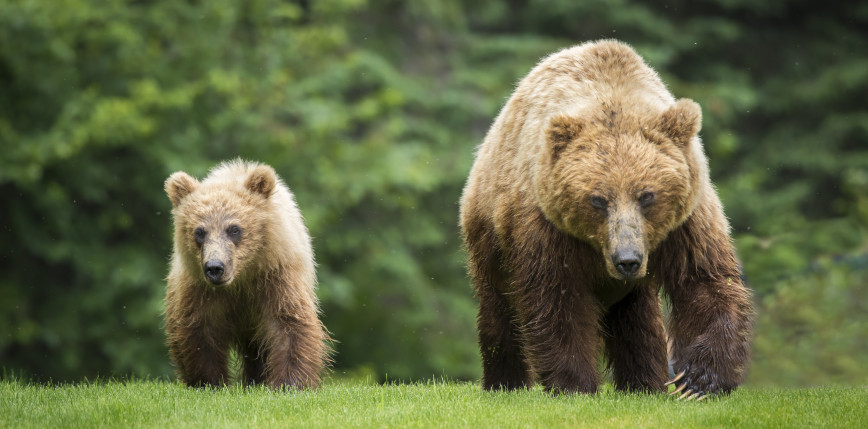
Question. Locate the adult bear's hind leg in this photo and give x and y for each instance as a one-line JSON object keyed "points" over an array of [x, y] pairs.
{"points": [[504, 365]]}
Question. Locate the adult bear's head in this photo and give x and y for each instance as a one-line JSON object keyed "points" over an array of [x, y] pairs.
{"points": [[620, 181]]}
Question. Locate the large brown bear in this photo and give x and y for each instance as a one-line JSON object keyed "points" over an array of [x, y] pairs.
{"points": [[589, 193], [242, 277]]}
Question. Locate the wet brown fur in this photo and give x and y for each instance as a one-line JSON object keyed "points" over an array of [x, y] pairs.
{"points": [[267, 310], [595, 121]]}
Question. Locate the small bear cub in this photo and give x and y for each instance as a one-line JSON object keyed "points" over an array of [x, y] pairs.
{"points": [[242, 278]]}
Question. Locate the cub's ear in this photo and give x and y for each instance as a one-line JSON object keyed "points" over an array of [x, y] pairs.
{"points": [[562, 130], [262, 180], [178, 186], [681, 121]]}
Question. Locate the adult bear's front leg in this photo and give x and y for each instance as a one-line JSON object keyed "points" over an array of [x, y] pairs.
{"points": [[711, 340], [558, 312], [636, 341], [711, 320]]}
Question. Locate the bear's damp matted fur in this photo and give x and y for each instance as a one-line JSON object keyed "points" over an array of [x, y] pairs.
{"points": [[242, 277], [589, 193]]}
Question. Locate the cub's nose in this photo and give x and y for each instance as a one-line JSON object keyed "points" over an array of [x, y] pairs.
{"points": [[627, 263], [214, 271]]}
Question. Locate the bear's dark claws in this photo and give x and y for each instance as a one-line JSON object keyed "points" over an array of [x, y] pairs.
{"points": [[678, 390]]}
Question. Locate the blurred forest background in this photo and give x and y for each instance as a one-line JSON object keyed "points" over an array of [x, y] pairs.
{"points": [[370, 111]]}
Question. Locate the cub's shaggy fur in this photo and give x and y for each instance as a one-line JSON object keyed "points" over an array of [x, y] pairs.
{"points": [[590, 193], [242, 276]]}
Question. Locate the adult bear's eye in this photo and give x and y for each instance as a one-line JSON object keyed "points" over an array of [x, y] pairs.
{"points": [[599, 202], [199, 234], [646, 198]]}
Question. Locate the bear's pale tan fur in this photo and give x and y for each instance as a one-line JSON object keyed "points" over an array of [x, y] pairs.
{"points": [[242, 277], [589, 193]]}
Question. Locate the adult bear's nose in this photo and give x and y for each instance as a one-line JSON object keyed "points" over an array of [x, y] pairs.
{"points": [[214, 271], [627, 262]]}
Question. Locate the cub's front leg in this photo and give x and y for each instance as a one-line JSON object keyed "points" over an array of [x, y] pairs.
{"points": [[295, 346], [199, 349]]}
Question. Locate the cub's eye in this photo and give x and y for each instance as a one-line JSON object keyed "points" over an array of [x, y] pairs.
{"points": [[234, 233], [599, 202], [646, 198], [199, 234]]}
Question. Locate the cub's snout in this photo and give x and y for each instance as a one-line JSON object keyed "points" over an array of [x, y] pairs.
{"points": [[214, 270]]}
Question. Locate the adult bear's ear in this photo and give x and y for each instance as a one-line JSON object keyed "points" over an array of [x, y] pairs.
{"points": [[178, 186], [562, 130], [682, 121], [262, 180]]}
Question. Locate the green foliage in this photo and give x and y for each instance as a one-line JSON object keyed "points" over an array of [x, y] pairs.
{"points": [[434, 403], [813, 328], [153, 88], [370, 111]]}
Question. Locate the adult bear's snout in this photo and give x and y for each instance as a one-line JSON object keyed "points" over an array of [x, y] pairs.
{"points": [[627, 262]]}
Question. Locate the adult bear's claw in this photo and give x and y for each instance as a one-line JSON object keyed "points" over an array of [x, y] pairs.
{"points": [[676, 378]]}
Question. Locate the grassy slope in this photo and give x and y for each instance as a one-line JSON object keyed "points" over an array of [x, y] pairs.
{"points": [[432, 404]]}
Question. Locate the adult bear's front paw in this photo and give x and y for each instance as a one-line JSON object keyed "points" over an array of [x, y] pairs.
{"points": [[696, 382]]}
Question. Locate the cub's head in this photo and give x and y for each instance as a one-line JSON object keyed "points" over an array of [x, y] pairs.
{"points": [[220, 223], [621, 183]]}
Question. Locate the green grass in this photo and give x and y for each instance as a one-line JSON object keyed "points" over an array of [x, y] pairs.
{"points": [[432, 404]]}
